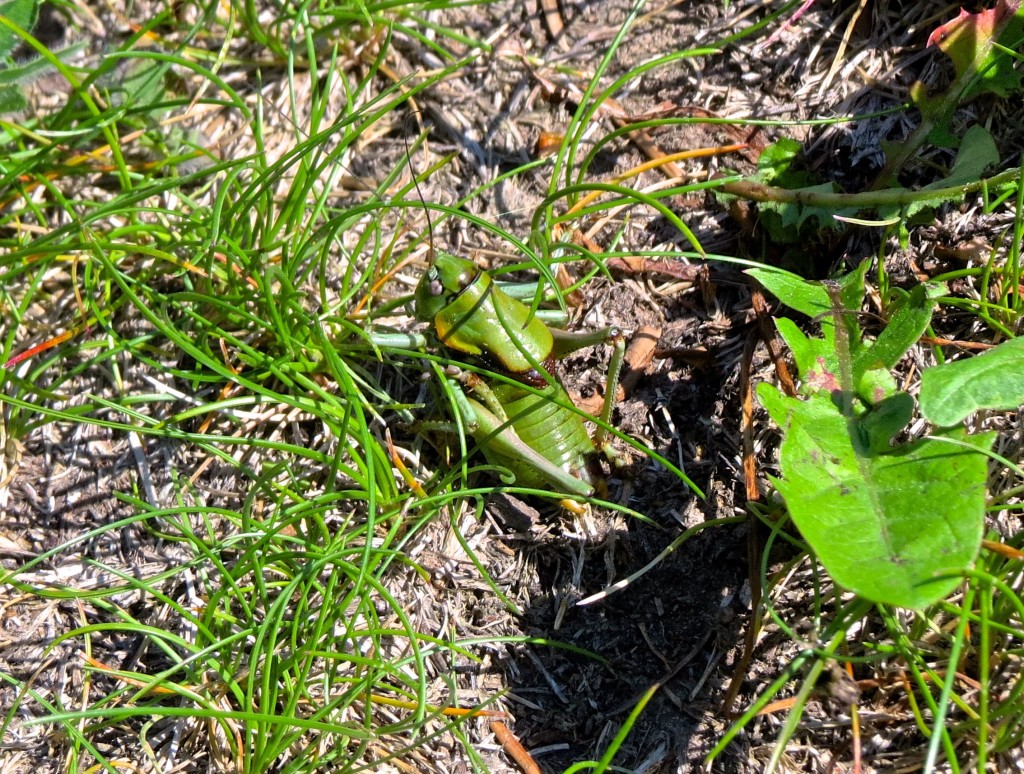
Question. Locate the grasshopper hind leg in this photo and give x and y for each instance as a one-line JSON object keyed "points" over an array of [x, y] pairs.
{"points": [[602, 442], [565, 343]]}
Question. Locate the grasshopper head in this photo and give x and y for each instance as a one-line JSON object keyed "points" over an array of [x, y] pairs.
{"points": [[446, 278]]}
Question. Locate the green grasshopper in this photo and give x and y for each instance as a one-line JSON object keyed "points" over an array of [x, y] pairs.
{"points": [[525, 425]]}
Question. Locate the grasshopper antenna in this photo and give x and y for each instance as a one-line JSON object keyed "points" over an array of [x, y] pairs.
{"points": [[419, 193], [386, 277], [353, 181]]}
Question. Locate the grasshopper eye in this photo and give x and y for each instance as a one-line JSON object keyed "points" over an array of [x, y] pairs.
{"points": [[434, 283]]}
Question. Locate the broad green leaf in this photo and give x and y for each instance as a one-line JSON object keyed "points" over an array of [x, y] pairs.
{"points": [[794, 291], [818, 365], [776, 160], [850, 300], [31, 69], [23, 14], [977, 153], [909, 317], [11, 100], [816, 358], [811, 298], [880, 424], [806, 351], [876, 385], [785, 222], [896, 526], [142, 79], [993, 380], [788, 222], [23, 73]]}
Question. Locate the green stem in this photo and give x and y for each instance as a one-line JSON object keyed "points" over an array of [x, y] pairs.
{"points": [[898, 197]]}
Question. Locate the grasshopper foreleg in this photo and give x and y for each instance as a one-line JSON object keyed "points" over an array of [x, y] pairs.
{"points": [[567, 342]]}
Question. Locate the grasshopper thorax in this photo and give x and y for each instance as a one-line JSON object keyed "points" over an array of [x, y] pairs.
{"points": [[471, 314]]}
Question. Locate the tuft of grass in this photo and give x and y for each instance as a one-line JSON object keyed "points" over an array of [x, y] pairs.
{"points": [[195, 300]]}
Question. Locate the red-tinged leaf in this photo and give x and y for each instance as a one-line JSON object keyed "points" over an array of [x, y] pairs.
{"points": [[48, 344], [944, 31], [968, 27], [969, 41]]}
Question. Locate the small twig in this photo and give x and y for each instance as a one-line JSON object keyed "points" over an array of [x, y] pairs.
{"points": [[938, 342], [552, 19], [767, 331], [754, 546], [639, 264], [514, 748]]}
